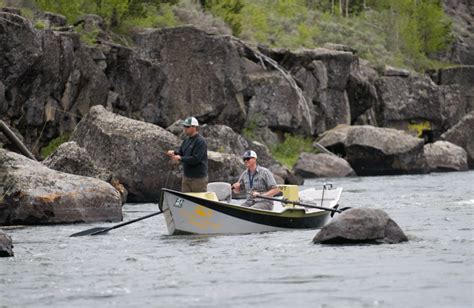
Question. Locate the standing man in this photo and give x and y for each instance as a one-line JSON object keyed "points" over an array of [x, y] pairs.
{"points": [[193, 155], [256, 180]]}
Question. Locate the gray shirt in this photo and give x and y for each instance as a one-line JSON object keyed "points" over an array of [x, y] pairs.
{"points": [[261, 181]]}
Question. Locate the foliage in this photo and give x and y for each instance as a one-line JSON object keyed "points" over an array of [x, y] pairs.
{"points": [[54, 144], [402, 33], [287, 152], [229, 10], [40, 25]]}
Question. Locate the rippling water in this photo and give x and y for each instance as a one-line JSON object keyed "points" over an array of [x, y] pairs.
{"points": [[139, 265]]}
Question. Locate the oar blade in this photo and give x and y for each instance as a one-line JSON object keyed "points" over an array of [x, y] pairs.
{"points": [[92, 231]]}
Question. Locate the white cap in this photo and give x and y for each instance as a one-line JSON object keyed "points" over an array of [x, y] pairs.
{"points": [[191, 121], [249, 154]]}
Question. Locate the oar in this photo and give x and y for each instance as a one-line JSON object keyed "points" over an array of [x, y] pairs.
{"points": [[101, 230], [333, 210]]}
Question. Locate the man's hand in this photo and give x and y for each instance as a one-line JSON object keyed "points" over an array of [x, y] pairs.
{"points": [[176, 157], [236, 187], [254, 194], [170, 153]]}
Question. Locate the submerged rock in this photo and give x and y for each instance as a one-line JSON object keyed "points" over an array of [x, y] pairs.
{"points": [[361, 225], [6, 246], [35, 194]]}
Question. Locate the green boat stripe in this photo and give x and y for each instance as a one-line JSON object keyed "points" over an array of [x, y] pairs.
{"points": [[278, 220]]}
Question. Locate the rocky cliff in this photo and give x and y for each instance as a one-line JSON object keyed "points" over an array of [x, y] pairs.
{"points": [[49, 80]]}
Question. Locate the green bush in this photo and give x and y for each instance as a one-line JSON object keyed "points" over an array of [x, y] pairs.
{"points": [[54, 144], [288, 152]]}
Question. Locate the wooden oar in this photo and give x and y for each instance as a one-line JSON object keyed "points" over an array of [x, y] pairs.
{"points": [[101, 230], [333, 210]]}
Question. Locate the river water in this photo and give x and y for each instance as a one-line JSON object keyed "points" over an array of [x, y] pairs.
{"points": [[139, 265]]}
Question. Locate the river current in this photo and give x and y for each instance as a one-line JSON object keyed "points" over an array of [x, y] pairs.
{"points": [[139, 265]]}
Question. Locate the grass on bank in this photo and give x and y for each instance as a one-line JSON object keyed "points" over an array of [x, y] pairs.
{"points": [[288, 152], [54, 144]]}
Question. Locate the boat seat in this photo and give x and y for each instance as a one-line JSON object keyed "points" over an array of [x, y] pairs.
{"points": [[223, 190], [209, 195]]}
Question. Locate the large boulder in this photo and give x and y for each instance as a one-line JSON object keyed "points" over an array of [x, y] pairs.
{"points": [[35, 194], [461, 135], [6, 245], [384, 151], [311, 165], [361, 225], [133, 151], [445, 156]]}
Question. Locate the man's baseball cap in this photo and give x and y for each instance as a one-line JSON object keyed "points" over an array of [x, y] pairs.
{"points": [[249, 154], [191, 121]]}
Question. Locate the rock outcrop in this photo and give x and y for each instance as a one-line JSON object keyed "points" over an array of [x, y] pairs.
{"points": [[445, 156], [6, 245], [361, 225], [35, 194]]}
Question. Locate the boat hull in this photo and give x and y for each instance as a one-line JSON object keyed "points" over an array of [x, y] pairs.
{"points": [[186, 214]]}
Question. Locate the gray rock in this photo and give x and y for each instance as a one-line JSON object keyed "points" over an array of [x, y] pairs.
{"points": [[461, 13], [223, 139], [407, 100], [361, 90], [322, 165], [283, 175], [70, 158], [208, 86], [462, 76], [384, 151], [133, 151], [35, 194], [395, 72], [274, 103], [461, 135], [52, 19], [361, 225], [323, 75], [224, 167], [6, 245], [335, 139], [445, 156]]}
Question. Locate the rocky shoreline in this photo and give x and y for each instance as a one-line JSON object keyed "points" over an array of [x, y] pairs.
{"points": [[123, 106]]}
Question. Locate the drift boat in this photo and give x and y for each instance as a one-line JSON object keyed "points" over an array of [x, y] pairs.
{"points": [[213, 212]]}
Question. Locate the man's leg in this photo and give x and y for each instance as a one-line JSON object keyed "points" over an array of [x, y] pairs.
{"points": [[199, 185], [186, 184]]}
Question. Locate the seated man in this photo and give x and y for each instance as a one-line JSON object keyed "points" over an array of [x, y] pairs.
{"points": [[256, 180]]}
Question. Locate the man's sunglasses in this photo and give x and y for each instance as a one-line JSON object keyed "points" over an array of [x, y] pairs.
{"points": [[247, 158]]}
